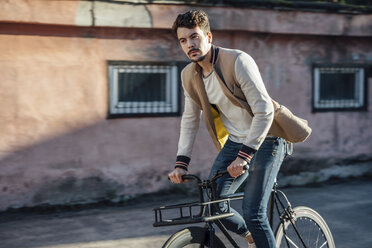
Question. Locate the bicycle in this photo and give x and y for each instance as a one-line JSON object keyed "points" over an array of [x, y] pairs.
{"points": [[298, 227]]}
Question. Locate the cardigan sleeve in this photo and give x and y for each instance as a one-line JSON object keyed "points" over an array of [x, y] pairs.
{"points": [[249, 78], [190, 123]]}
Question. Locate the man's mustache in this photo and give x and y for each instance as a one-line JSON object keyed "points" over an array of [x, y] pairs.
{"points": [[192, 50]]}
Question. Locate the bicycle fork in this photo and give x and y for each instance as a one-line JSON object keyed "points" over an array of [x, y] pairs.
{"points": [[286, 215], [227, 235], [212, 233], [218, 222]]}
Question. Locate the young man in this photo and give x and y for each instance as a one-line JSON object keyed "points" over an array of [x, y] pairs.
{"points": [[227, 87]]}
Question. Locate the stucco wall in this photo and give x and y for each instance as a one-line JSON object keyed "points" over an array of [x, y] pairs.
{"points": [[57, 145], [54, 95]]}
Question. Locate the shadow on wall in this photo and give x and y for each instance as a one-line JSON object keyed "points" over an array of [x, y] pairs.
{"points": [[110, 160]]}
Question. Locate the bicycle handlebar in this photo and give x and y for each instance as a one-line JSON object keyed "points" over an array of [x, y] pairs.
{"points": [[216, 176], [206, 183]]}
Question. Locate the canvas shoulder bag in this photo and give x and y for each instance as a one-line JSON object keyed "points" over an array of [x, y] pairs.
{"points": [[289, 126], [285, 124]]}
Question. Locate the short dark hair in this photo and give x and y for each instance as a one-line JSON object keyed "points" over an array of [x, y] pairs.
{"points": [[192, 19]]}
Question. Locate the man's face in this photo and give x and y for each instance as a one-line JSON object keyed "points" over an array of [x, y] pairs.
{"points": [[194, 43]]}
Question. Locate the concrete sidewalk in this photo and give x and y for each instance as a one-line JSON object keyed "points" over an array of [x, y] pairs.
{"points": [[345, 205]]}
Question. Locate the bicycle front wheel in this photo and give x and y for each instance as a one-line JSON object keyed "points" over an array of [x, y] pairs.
{"points": [[307, 229], [192, 237]]}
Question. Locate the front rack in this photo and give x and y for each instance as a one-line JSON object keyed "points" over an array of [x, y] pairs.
{"points": [[185, 213]]}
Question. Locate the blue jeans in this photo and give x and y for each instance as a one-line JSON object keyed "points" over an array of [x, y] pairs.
{"points": [[262, 172]]}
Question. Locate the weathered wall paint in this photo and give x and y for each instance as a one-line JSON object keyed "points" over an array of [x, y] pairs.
{"points": [[53, 119], [122, 14], [58, 147], [94, 13]]}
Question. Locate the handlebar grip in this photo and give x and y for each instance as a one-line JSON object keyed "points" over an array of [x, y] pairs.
{"points": [[245, 167], [224, 172], [191, 177]]}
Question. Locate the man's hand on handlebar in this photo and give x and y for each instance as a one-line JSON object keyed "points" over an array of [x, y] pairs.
{"points": [[237, 167], [176, 175]]}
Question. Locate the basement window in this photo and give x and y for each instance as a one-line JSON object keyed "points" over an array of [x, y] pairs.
{"points": [[143, 89], [339, 88]]}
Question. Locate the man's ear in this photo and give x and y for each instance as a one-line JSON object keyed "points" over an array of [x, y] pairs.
{"points": [[210, 37]]}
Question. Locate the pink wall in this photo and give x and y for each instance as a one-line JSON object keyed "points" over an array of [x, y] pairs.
{"points": [[57, 145], [285, 63]]}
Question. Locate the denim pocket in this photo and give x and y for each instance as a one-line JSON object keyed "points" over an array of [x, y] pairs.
{"points": [[271, 145]]}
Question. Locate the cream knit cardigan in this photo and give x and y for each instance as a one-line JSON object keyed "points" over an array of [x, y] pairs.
{"points": [[237, 74]]}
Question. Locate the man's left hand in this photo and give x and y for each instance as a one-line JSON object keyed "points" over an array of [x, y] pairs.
{"points": [[236, 168]]}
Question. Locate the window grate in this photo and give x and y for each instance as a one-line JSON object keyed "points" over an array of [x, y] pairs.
{"points": [[143, 89], [338, 88]]}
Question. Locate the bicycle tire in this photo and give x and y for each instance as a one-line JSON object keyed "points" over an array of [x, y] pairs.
{"points": [[310, 225], [192, 237]]}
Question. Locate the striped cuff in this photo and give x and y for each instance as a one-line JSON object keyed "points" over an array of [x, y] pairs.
{"points": [[182, 162], [246, 153]]}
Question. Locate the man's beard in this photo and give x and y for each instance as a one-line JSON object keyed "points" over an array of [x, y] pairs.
{"points": [[198, 59], [201, 58]]}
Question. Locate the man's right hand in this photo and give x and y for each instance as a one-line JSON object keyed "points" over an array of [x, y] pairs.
{"points": [[176, 175]]}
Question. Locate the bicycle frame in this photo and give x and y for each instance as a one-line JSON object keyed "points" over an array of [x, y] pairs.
{"points": [[208, 188]]}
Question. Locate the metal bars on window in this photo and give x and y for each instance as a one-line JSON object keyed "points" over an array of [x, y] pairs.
{"points": [[143, 89], [338, 88]]}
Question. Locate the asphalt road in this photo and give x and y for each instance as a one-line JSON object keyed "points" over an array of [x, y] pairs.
{"points": [[345, 205]]}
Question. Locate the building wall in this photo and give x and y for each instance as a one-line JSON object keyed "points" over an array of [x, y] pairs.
{"points": [[57, 145]]}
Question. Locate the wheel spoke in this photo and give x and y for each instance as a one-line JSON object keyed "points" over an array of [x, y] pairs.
{"points": [[290, 241], [325, 243]]}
